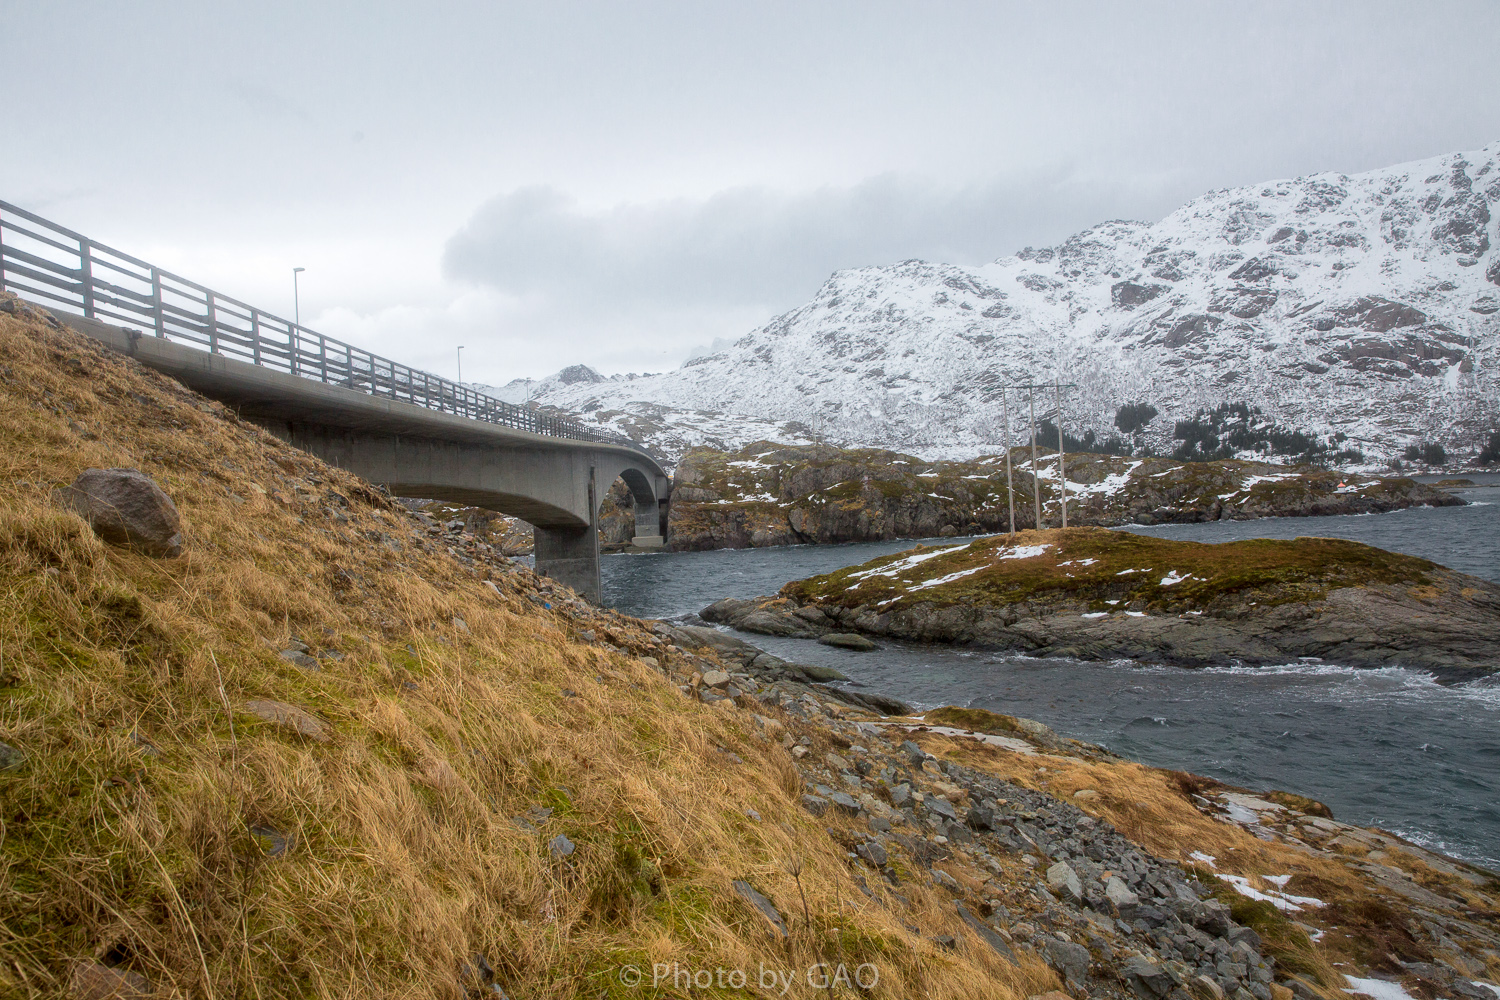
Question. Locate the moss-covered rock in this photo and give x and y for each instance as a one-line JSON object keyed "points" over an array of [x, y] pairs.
{"points": [[1097, 594]]}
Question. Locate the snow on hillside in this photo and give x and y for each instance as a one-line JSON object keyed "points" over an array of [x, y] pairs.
{"points": [[1365, 305]]}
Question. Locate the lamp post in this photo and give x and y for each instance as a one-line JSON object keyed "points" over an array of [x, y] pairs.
{"points": [[294, 339], [297, 297], [460, 364]]}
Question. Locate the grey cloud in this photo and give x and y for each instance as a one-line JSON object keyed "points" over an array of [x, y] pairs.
{"points": [[757, 246]]}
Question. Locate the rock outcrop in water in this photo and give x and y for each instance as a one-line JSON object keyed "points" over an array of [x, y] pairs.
{"points": [[769, 494], [1096, 594]]}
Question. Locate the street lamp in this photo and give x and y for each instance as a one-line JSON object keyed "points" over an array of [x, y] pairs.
{"points": [[296, 297], [293, 337], [460, 364]]}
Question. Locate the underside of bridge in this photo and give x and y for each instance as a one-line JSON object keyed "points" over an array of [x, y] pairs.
{"points": [[555, 484]]}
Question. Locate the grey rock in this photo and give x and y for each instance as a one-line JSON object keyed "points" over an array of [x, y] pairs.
{"points": [[716, 679], [125, 507], [981, 817], [877, 703], [11, 759], [847, 803], [986, 933], [561, 846], [1061, 878], [298, 659], [1237, 934], [958, 834], [848, 640], [1120, 895], [271, 840], [901, 795], [815, 804], [942, 807], [1147, 979], [762, 905], [1211, 917], [873, 852], [1072, 960], [290, 717]]}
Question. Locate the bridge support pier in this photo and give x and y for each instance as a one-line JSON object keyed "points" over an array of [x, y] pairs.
{"points": [[571, 557], [647, 525]]}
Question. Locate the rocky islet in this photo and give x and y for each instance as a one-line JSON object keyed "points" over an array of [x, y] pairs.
{"points": [[1097, 594]]}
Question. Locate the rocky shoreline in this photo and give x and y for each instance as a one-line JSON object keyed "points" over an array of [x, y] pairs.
{"points": [[1093, 594], [1016, 826], [771, 494]]}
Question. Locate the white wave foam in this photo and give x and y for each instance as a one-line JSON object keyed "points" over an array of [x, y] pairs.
{"points": [[1358, 683]]}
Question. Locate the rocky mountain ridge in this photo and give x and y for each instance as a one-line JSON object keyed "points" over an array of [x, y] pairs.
{"points": [[1361, 309]]}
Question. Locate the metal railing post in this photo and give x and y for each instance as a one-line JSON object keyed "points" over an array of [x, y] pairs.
{"points": [[323, 356], [213, 324], [86, 277], [156, 307], [255, 335]]}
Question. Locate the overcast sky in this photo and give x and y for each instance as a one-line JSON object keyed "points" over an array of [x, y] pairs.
{"points": [[616, 183]]}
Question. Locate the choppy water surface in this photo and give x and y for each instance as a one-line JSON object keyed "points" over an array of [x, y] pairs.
{"points": [[1390, 747]]}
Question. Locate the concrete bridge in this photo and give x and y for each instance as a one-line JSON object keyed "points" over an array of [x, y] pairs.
{"points": [[556, 484]]}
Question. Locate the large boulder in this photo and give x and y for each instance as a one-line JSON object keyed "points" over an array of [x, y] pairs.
{"points": [[125, 507]]}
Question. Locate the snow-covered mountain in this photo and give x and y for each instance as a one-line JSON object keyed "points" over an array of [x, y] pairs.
{"points": [[1363, 308]]}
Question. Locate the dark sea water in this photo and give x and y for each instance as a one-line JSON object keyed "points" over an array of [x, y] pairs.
{"points": [[1389, 748]]}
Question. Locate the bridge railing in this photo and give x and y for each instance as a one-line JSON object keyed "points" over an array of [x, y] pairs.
{"points": [[57, 267]]}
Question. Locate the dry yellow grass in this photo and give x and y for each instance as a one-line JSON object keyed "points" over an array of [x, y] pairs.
{"points": [[126, 836]]}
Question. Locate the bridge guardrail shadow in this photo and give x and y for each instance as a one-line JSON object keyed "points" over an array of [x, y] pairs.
{"points": [[57, 267]]}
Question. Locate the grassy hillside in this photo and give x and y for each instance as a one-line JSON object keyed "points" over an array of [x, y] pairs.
{"points": [[461, 716]]}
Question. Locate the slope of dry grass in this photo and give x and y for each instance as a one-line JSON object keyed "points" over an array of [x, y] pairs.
{"points": [[140, 830]]}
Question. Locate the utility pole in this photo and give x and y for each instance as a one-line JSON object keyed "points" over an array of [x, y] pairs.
{"points": [[1036, 480], [1062, 476], [1010, 487], [1036, 483]]}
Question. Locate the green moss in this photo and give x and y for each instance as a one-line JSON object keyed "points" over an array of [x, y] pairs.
{"points": [[974, 719]]}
